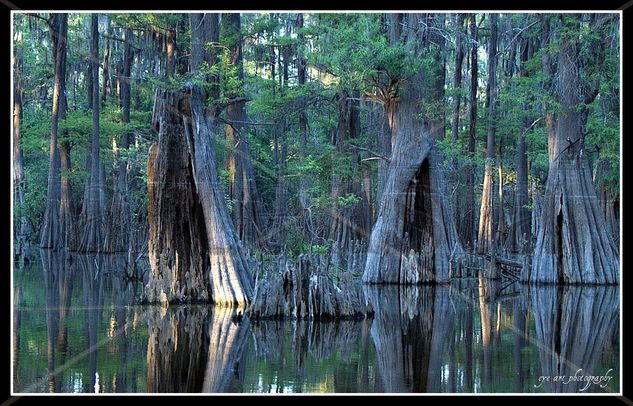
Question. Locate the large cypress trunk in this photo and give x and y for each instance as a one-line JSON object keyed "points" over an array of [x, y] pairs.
{"points": [[414, 222], [572, 245], [93, 217], [608, 199], [177, 239], [192, 240], [50, 232], [231, 283]]}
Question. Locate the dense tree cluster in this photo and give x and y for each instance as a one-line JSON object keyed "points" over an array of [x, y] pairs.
{"points": [[201, 138]]}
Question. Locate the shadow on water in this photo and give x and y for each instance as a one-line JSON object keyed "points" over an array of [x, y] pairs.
{"points": [[77, 329]]}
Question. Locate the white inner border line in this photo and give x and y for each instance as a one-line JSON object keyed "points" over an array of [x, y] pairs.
{"points": [[21, 11]]}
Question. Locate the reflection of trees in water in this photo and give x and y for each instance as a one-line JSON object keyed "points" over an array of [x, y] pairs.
{"points": [[519, 320], [91, 268], [122, 322], [488, 291], [411, 326], [573, 325], [62, 271], [58, 290], [424, 335], [176, 348], [193, 348], [226, 346], [18, 275], [318, 339], [287, 347], [426, 338]]}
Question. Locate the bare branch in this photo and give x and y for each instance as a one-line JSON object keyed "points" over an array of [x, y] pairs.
{"points": [[112, 37], [35, 15], [376, 155]]}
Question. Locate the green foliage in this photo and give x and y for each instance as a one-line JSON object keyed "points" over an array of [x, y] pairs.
{"points": [[352, 48], [349, 51], [349, 199]]}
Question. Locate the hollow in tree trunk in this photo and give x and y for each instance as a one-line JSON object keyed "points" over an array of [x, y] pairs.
{"points": [[177, 239], [414, 237], [573, 245]]}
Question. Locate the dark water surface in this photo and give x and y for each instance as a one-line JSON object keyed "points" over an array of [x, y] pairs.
{"points": [[76, 329]]}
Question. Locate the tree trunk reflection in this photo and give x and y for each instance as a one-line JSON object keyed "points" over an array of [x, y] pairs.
{"points": [[410, 329], [573, 325]]}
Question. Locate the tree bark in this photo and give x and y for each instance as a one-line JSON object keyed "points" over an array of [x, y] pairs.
{"points": [[457, 77], [93, 218], [384, 147], [67, 209], [486, 238], [170, 63], [177, 241], [609, 200], [453, 175], [50, 232], [415, 219], [572, 245], [231, 283]]}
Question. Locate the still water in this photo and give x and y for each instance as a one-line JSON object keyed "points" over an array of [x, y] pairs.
{"points": [[76, 329]]}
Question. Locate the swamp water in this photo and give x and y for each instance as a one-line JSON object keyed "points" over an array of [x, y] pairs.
{"points": [[76, 328]]}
